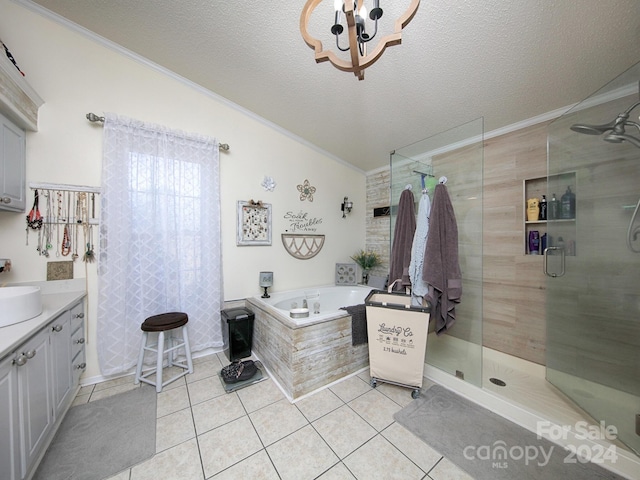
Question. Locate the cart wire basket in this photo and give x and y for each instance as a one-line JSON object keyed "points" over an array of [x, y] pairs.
{"points": [[397, 333]]}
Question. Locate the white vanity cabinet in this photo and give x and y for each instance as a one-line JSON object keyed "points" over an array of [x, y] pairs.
{"points": [[60, 336], [38, 381], [9, 421], [34, 390]]}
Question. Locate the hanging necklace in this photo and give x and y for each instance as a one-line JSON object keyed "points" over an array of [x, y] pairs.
{"points": [[66, 236]]}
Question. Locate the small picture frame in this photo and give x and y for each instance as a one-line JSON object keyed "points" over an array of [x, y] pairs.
{"points": [[254, 223], [346, 274]]}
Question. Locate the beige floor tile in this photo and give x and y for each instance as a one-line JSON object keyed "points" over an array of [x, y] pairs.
{"points": [[344, 431], [227, 445], [286, 455], [115, 382], [256, 467], [109, 392], [124, 475], [222, 358], [378, 459], [260, 395], [350, 388], [205, 389], [419, 452], [167, 374], [319, 404], [174, 429], [376, 409], [445, 470], [400, 395], [80, 399], [276, 421], [181, 462], [217, 411], [337, 472], [210, 357], [204, 369], [365, 375], [171, 400], [86, 390]]}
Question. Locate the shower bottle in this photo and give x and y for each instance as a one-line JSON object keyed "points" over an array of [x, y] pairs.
{"points": [[553, 212], [568, 204], [543, 208], [534, 242]]}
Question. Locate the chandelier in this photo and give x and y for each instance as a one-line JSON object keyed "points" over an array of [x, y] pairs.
{"points": [[360, 30]]}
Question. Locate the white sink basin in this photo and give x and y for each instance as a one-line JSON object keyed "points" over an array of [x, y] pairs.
{"points": [[18, 304]]}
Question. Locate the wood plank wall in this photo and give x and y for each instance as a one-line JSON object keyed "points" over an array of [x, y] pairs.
{"points": [[513, 283]]}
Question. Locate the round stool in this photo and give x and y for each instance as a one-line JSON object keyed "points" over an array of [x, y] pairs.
{"points": [[165, 322]]}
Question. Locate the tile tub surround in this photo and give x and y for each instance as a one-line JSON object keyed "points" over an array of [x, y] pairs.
{"points": [[305, 358]]}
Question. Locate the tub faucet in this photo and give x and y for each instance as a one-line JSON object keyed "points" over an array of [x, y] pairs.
{"points": [[304, 303]]}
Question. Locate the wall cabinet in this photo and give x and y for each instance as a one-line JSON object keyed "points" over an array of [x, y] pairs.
{"points": [[37, 384], [561, 232], [12, 166]]}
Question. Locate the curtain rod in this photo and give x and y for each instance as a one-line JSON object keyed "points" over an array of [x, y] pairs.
{"points": [[92, 117]]}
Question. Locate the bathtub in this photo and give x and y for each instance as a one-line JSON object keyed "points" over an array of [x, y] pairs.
{"points": [[307, 354], [329, 298]]}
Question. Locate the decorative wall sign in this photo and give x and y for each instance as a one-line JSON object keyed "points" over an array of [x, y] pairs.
{"points": [[306, 191], [269, 184], [301, 222], [302, 247], [59, 270], [254, 223]]}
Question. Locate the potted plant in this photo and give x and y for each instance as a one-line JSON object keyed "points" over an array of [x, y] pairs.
{"points": [[366, 261]]}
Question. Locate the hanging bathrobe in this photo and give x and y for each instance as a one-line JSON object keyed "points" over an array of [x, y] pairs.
{"points": [[441, 269], [419, 287], [402, 240]]}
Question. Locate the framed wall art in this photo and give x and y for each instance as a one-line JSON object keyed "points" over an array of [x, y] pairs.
{"points": [[254, 223]]}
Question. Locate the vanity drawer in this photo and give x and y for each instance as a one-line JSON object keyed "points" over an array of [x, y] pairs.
{"points": [[77, 316], [77, 342], [78, 366]]}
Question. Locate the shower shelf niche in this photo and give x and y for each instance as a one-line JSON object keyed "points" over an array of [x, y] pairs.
{"points": [[562, 228]]}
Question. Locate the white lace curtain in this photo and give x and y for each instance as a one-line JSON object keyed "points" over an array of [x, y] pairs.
{"points": [[159, 237]]}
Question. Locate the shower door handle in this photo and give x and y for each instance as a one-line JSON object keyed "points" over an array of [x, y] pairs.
{"points": [[545, 266]]}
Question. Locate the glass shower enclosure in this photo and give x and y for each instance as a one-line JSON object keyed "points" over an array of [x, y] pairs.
{"points": [[456, 154], [593, 260]]}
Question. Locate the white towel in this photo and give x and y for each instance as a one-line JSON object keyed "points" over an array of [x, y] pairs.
{"points": [[418, 285]]}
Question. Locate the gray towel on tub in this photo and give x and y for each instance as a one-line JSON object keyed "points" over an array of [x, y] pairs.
{"points": [[358, 323]]}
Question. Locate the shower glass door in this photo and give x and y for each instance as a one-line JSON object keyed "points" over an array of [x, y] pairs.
{"points": [[593, 260], [458, 155]]}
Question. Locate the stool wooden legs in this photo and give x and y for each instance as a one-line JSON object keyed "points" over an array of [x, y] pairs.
{"points": [[164, 346]]}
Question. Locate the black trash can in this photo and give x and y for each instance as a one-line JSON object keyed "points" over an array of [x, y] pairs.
{"points": [[238, 334]]}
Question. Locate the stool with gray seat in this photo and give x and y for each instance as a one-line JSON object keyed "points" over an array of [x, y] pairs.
{"points": [[169, 344]]}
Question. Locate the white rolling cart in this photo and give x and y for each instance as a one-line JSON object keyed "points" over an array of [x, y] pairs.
{"points": [[397, 333]]}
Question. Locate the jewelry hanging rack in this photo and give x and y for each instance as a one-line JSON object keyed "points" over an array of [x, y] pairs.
{"points": [[65, 190], [68, 211]]}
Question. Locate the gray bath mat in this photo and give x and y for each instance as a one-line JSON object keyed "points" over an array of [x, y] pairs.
{"points": [[488, 446], [96, 440]]}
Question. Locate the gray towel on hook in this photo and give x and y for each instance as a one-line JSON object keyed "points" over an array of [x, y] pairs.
{"points": [[358, 323], [403, 240], [441, 269]]}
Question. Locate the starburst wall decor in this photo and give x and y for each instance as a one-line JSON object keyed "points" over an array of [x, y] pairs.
{"points": [[306, 191]]}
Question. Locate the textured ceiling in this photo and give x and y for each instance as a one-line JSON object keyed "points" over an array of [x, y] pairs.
{"points": [[506, 61]]}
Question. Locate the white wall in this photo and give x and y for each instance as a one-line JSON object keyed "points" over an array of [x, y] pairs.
{"points": [[75, 74]]}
